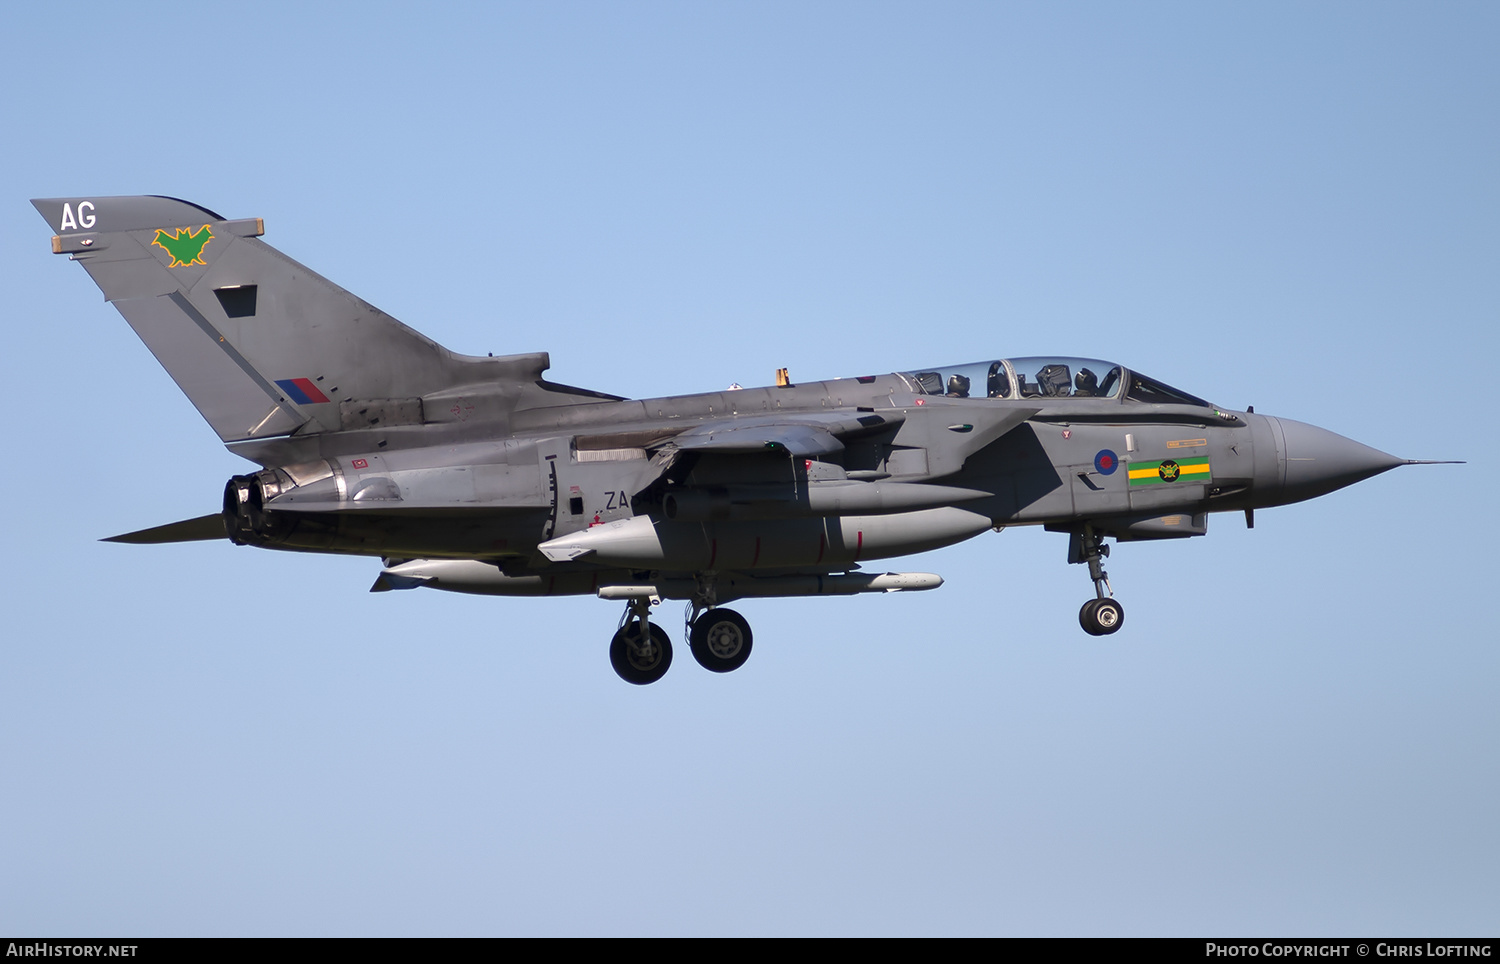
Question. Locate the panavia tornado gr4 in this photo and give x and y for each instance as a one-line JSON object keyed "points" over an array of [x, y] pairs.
{"points": [[479, 475]]}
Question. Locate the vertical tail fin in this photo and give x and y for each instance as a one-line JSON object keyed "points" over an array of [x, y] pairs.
{"points": [[261, 345]]}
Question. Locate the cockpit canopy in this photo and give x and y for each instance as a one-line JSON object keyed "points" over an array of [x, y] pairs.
{"points": [[1046, 378]]}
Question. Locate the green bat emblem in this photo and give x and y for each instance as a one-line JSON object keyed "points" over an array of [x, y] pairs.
{"points": [[185, 247]]}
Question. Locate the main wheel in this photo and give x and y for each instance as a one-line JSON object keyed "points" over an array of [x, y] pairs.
{"points": [[721, 640], [637, 660], [1100, 617]]}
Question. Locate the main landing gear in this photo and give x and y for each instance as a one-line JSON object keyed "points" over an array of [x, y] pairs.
{"points": [[721, 640], [641, 651], [1103, 614]]}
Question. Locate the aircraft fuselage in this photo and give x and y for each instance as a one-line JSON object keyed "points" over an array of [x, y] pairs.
{"points": [[1133, 470]]}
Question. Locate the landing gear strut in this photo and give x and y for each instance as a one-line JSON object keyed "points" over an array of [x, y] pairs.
{"points": [[1103, 614], [641, 652]]}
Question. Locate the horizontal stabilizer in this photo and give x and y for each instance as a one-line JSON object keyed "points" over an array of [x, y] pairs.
{"points": [[202, 529]]}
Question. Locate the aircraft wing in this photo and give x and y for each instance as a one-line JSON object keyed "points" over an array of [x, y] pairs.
{"points": [[951, 430], [808, 435]]}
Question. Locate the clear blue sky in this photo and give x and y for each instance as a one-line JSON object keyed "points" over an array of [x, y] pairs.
{"points": [[1288, 205]]}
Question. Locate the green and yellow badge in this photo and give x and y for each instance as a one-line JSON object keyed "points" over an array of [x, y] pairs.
{"points": [[1169, 470], [185, 247]]}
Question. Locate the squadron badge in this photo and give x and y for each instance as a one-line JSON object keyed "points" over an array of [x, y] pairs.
{"points": [[185, 247]]}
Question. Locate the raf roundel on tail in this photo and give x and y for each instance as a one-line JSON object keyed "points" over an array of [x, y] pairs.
{"points": [[478, 475]]}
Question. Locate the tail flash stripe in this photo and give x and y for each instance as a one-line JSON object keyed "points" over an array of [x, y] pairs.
{"points": [[301, 390]]}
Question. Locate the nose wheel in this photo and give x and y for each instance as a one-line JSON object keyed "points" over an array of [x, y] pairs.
{"points": [[1103, 614], [1100, 617]]}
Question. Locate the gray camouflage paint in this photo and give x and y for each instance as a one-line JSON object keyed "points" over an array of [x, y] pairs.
{"points": [[374, 440]]}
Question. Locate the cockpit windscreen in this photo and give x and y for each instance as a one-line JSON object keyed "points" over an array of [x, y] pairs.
{"points": [[1045, 378], [1143, 389], [1021, 378]]}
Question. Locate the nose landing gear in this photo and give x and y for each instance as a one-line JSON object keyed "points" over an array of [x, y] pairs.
{"points": [[1103, 614]]}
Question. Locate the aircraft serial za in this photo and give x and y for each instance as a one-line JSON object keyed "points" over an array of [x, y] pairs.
{"points": [[478, 475]]}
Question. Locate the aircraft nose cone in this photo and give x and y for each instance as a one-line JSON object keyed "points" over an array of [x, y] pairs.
{"points": [[1319, 461]]}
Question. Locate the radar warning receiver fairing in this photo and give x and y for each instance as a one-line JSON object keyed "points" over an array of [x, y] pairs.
{"points": [[479, 475]]}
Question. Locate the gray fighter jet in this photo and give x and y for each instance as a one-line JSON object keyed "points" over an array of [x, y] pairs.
{"points": [[479, 475]]}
